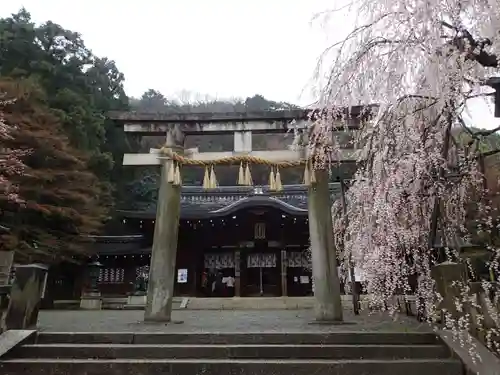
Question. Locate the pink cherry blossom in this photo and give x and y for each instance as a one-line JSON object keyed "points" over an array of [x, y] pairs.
{"points": [[420, 61]]}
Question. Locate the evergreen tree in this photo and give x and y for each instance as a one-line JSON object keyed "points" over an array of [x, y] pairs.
{"points": [[80, 88]]}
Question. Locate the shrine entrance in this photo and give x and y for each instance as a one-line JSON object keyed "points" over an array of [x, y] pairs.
{"points": [[246, 254], [261, 274]]}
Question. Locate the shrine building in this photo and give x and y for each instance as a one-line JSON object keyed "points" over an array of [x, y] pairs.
{"points": [[257, 236], [254, 237]]}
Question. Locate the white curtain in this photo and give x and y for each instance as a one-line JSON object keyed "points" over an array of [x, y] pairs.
{"points": [[297, 259], [219, 260], [265, 260]]}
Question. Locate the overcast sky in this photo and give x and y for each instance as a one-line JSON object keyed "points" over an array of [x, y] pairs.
{"points": [[223, 48]]}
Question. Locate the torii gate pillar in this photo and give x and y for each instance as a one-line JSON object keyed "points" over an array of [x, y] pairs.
{"points": [[328, 304], [164, 251]]}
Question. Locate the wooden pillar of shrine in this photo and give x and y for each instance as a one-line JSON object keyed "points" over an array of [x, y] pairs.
{"points": [[237, 274], [164, 251], [284, 281], [328, 303]]}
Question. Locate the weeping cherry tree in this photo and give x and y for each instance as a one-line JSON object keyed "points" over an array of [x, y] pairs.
{"points": [[421, 62]]}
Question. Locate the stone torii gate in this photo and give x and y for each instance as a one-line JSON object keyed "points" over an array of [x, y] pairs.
{"points": [[176, 127]]}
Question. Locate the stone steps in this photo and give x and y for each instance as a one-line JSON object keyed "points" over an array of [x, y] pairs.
{"points": [[270, 338], [347, 353], [126, 351], [228, 366]]}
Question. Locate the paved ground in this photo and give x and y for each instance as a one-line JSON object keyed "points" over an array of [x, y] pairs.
{"points": [[216, 321]]}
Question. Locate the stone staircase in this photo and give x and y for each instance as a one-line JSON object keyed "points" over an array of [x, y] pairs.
{"points": [[346, 353]]}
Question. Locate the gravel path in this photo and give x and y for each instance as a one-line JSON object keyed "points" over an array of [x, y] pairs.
{"points": [[217, 321]]}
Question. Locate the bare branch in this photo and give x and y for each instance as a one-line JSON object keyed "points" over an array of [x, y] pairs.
{"points": [[475, 49]]}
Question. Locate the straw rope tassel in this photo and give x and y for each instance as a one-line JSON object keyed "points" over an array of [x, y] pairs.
{"points": [[307, 175], [206, 179], [213, 178], [241, 175], [248, 176], [272, 181], [177, 175], [277, 184], [171, 172]]}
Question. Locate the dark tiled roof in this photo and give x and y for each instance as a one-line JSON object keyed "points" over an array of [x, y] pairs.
{"points": [[121, 245], [199, 203], [127, 244], [121, 248]]}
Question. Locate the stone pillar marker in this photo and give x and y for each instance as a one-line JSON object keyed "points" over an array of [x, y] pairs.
{"points": [[328, 303], [162, 269], [25, 297]]}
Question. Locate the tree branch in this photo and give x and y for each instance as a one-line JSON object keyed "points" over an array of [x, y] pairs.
{"points": [[475, 49], [485, 133], [489, 153]]}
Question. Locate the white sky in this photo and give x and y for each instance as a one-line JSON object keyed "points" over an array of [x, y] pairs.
{"points": [[223, 48]]}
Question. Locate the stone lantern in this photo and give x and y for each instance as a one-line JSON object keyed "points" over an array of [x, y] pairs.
{"points": [[91, 298], [94, 270]]}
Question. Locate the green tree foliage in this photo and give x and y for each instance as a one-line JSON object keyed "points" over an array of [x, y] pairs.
{"points": [[80, 88], [62, 197]]}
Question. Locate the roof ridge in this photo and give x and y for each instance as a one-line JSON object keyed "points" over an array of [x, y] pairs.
{"points": [[238, 188]]}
